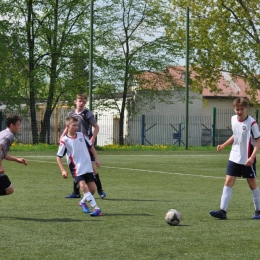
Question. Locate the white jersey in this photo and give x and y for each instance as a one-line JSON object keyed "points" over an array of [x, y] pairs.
{"points": [[77, 153], [245, 132]]}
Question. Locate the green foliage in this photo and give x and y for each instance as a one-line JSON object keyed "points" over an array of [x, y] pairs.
{"points": [[224, 36]]}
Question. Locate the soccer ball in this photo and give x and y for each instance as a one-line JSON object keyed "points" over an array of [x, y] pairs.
{"points": [[173, 217]]}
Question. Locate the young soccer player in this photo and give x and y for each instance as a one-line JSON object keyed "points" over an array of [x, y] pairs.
{"points": [[86, 121], [76, 146], [6, 140], [242, 160]]}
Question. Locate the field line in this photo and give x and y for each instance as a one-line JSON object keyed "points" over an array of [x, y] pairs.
{"points": [[146, 170]]}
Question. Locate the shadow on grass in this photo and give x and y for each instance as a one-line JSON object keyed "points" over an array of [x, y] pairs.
{"points": [[138, 200], [65, 220], [124, 214]]}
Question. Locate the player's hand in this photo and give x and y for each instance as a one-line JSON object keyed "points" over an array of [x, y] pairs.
{"points": [[219, 148], [21, 160], [64, 174], [249, 161], [2, 169], [97, 163]]}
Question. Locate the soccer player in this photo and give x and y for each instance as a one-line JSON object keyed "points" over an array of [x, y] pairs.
{"points": [[86, 121], [76, 146], [6, 139], [242, 160]]}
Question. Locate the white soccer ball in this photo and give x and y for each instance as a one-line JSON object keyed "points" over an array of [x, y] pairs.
{"points": [[173, 217]]}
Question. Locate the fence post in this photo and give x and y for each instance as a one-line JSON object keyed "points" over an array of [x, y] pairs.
{"points": [[95, 142], [213, 125], [1, 121], [143, 130]]}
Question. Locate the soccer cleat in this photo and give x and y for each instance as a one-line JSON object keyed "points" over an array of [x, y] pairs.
{"points": [[221, 214], [84, 207], [96, 213], [102, 194], [257, 214], [73, 196]]}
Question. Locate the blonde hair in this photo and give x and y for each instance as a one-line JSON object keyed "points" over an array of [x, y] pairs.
{"points": [[70, 120], [241, 102], [82, 96]]}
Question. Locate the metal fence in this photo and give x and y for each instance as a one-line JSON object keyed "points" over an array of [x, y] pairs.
{"points": [[143, 129]]}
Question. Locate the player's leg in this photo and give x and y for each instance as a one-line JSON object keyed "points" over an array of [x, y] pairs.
{"points": [[250, 175], [76, 192], [87, 186], [6, 187], [84, 188], [231, 175], [100, 190]]}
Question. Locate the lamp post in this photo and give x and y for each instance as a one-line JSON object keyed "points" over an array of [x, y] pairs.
{"points": [[187, 82], [91, 54]]}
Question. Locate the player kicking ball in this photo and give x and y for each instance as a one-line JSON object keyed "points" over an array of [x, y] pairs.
{"points": [[76, 146], [242, 159]]}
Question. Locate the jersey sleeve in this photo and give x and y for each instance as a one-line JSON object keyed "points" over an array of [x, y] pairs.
{"points": [[255, 130], [62, 149], [91, 118]]}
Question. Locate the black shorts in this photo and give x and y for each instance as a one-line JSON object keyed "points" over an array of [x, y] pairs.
{"points": [[87, 177], [5, 183], [240, 170]]}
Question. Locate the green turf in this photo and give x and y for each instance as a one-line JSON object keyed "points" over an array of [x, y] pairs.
{"points": [[37, 222]]}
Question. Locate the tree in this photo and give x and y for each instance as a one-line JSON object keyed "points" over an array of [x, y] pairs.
{"points": [[224, 36], [47, 35], [132, 40]]}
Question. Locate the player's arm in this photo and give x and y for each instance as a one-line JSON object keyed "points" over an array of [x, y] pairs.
{"points": [[14, 159], [228, 142], [64, 132], [251, 159], [63, 171], [95, 133], [94, 152]]}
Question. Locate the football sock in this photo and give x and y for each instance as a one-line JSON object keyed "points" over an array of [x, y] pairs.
{"points": [[225, 198], [256, 198], [75, 188], [2, 192], [98, 183], [89, 198]]}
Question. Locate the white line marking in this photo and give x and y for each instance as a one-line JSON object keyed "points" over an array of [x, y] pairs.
{"points": [[141, 170]]}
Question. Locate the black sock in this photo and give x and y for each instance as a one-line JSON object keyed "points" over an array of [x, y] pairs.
{"points": [[98, 183], [75, 188]]}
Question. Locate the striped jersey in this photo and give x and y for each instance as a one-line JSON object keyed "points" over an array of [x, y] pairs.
{"points": [[77, 153], [245, 132]]}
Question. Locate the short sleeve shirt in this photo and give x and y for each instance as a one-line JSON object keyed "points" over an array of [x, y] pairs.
{"points": [[86, 119], [77, 153], [245, 134], [6, 140]]}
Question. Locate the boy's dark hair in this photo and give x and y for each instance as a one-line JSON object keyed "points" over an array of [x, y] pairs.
{"points": [[241, 102], [12, 120]]}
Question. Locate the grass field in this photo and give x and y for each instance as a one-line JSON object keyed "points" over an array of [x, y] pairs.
{"points": [[37, 222]]}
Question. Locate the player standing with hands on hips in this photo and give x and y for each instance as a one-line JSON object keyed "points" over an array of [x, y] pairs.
{"points": [[86, 121], [242, 160], [6, 139]]}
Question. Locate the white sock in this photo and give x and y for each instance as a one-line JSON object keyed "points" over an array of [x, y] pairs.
{"points": [[225, 198], [89, 198], [256, 198]]}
